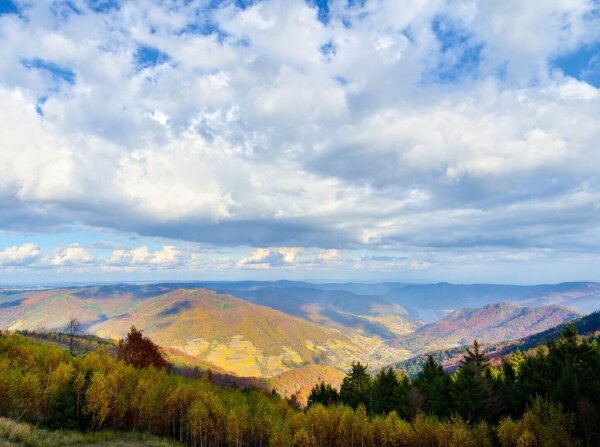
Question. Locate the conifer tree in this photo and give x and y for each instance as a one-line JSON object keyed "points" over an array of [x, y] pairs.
{"points": [[434, 384], [472, 392], [389, 392], [356, 386], [323, 394]]}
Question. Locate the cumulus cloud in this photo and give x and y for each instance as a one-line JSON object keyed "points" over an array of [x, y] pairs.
{"points": [[72, 256], [142, 256], [21, 255], [266, 258], [331, 256], [431, 125]]}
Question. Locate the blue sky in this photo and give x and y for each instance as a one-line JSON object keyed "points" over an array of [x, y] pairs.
{"points": [[363, 140]]}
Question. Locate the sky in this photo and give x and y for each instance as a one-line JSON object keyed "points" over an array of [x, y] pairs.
{"points": [[407, 140]]}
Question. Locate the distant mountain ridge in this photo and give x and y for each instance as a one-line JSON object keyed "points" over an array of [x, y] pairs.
{"points": [[586, 325], [493, 322], [433, 301], [266, 328]]}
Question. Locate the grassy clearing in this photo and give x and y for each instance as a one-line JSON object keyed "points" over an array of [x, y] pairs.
{"points": [[18, 434]]}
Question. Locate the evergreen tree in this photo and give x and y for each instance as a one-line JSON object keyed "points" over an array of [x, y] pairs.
{"points": [[389, 392], [509, 383], [567, 374], [434, 384], [476, 359], [356, 387], [472, 391], [323, 394]]}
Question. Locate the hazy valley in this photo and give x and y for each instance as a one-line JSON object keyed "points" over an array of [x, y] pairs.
{"points": [[272, 329]]}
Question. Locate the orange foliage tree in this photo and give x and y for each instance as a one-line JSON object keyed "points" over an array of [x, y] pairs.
{"points": [[140, 351]]}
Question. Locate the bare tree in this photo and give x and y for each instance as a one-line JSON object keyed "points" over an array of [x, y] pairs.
{"points": [[73, 329]]}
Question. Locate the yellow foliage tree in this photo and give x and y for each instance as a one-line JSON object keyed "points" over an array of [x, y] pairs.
{"points": [[98, 399]]}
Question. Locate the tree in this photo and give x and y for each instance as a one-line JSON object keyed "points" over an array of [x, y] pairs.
{"points": [[389, 392], [509, 385], [566, 373], [140, 351], [73, 328], [476, 358], [356, 386], [98, 399], [323, 394], [472, 391], [434, 384]]}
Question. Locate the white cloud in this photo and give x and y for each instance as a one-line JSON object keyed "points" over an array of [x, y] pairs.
{"points": [[331, 256], [20, 255], [143, 257], [283, 131], [166, 256], [267, 258], [72, 256], [129, 256]]}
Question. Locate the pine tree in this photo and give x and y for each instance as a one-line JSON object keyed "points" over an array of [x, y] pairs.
{"points": [[389, 392], [323, 394], [472, 391], [476, 358], [356, 386], [434, 384], [509, 383]]}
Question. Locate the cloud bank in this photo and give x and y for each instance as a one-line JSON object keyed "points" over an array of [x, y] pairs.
{"points": [[421, 127]]}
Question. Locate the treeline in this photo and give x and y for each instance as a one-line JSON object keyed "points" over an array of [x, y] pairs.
{"points": [[588, 324], [550, 399], [78, 343], [560, 384]]}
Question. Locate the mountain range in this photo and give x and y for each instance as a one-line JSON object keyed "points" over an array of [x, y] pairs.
{"points": [[279, 329]]}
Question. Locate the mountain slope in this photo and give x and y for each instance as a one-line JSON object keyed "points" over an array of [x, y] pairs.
{"points": [[299, 382], [450, 358], [303, 323], [230, 333], [494, 322], [370, 314]]}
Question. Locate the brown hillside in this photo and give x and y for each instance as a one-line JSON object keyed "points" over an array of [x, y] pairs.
{"points": [[244, 338], [300, 381]]}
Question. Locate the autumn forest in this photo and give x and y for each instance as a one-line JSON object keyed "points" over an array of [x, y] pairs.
{"points": [[548, 398]]}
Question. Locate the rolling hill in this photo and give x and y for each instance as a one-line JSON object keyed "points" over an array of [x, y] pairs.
{"points": [[220, 330], [235, 335], [493, 322], [299, 382]]}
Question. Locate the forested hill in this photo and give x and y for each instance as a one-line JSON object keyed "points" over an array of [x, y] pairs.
{"points": [[450, 358], [550, 399]]}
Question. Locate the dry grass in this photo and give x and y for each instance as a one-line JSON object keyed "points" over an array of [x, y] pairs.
{"points": [[18, 434]]}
